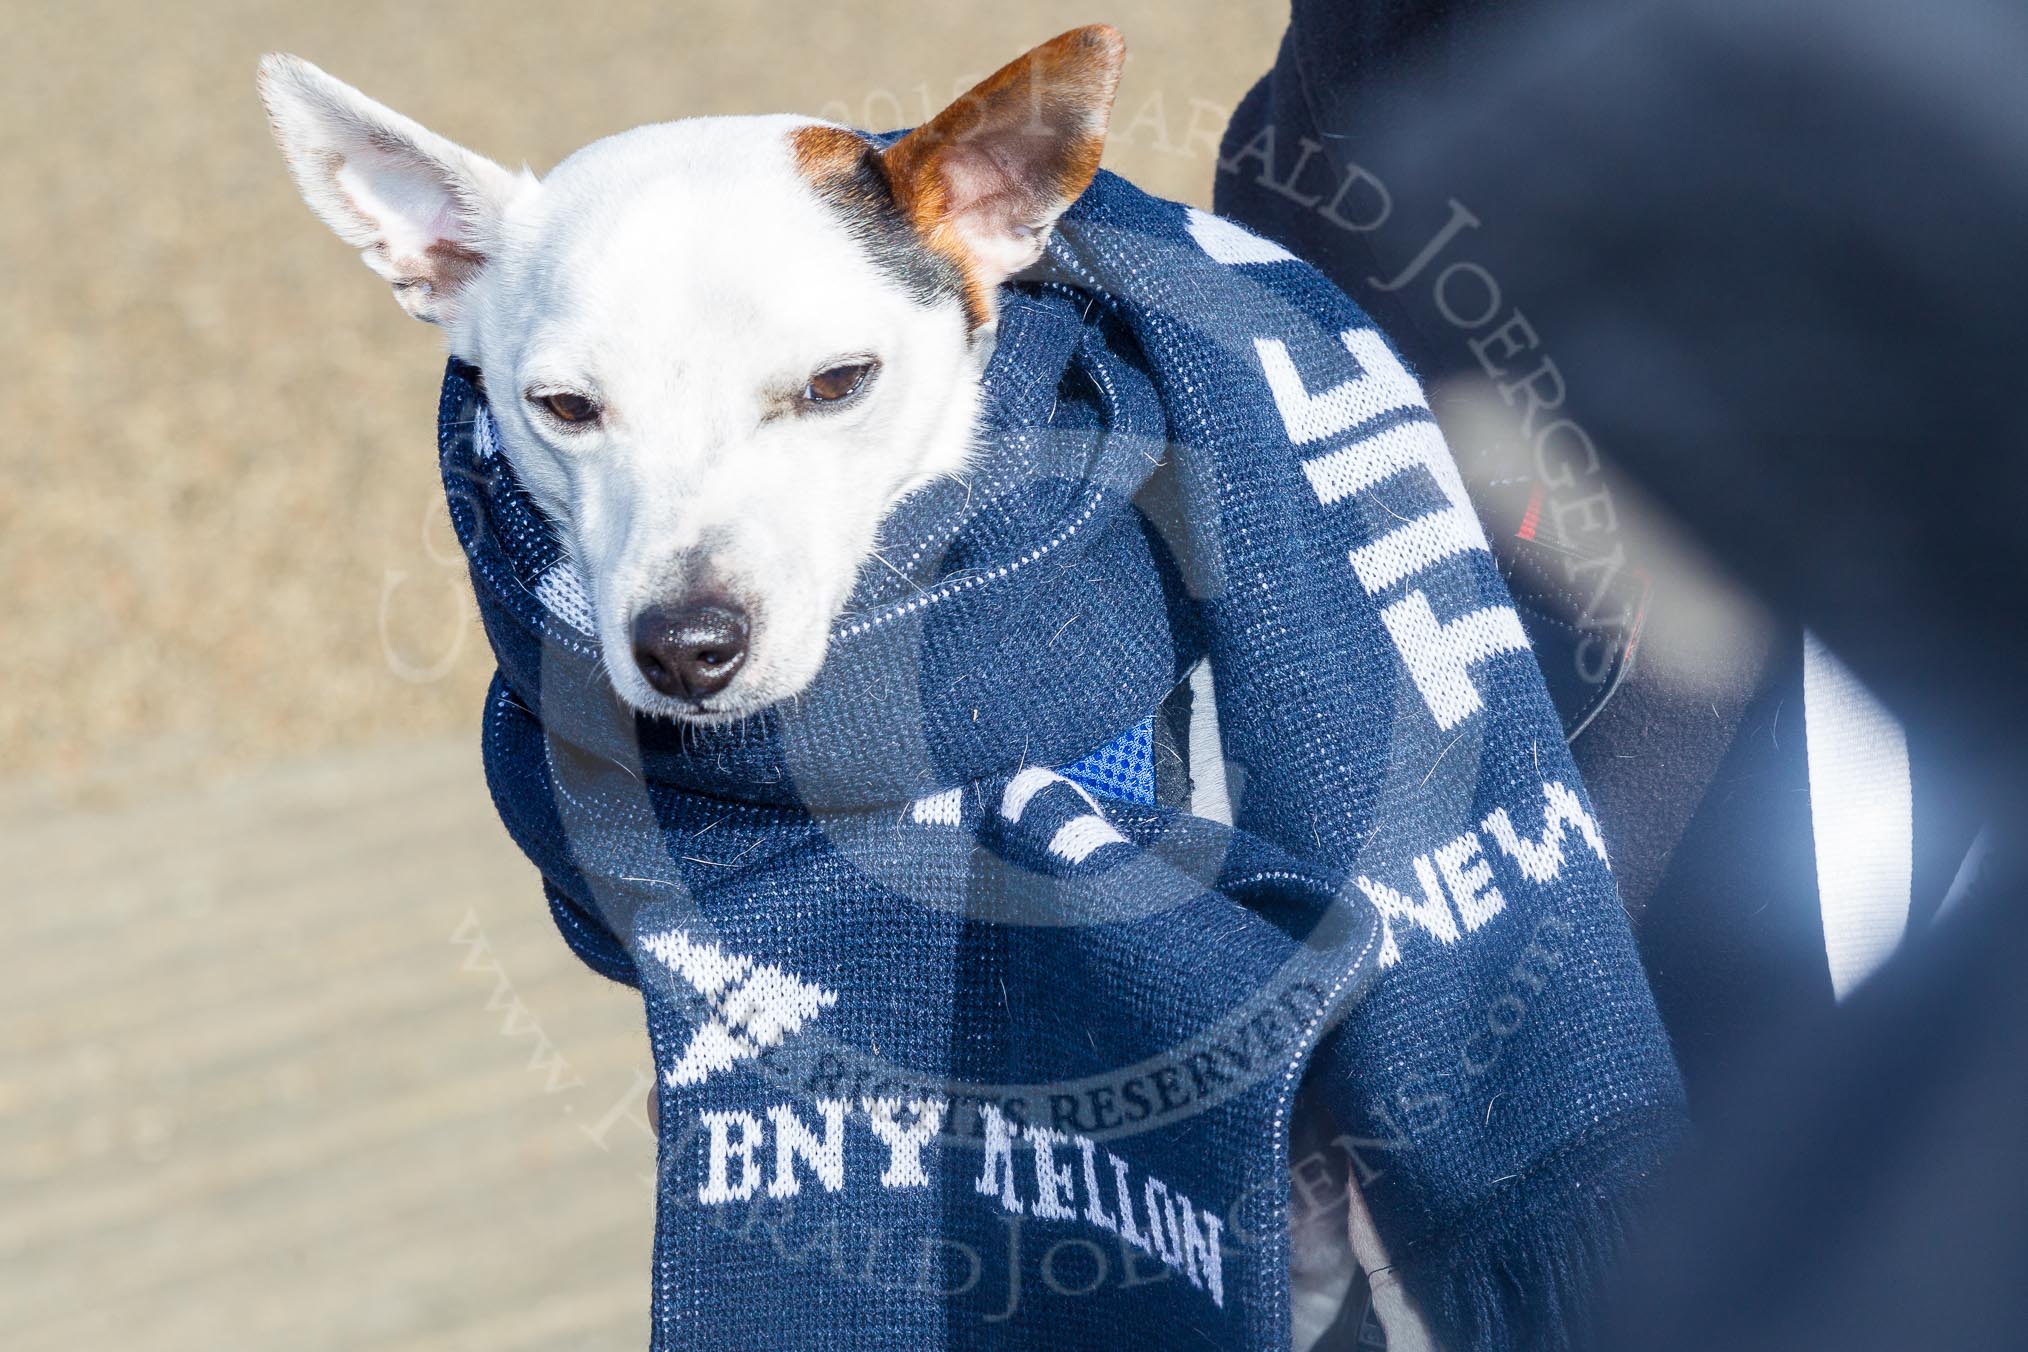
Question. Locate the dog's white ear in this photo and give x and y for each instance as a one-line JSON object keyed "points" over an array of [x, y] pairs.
{"points": [[423, 211], [988, 176]]}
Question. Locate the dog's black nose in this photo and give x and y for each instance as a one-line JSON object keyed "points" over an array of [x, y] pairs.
{"points": [[690, 652]]}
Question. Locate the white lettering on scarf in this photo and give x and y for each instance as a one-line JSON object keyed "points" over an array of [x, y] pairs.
{"points": [[1454, 891], [1439, 654], [1067, 1184]]}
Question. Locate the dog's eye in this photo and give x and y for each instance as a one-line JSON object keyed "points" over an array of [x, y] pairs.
{"points": [[834, 384], [570, 408]]}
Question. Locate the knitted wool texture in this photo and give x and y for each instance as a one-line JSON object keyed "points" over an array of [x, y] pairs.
{"points": [[957, 1051]]}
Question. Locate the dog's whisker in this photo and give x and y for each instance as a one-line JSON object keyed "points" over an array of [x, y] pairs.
{"points": [[896, 571]]}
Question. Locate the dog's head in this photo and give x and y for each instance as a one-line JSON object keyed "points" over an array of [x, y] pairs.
{"points": [[721, 350]]}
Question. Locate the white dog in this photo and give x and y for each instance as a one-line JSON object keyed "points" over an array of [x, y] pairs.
{"points": [[721, 350]]}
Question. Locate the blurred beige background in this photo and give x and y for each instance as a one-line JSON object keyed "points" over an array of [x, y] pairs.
{"points": [[289, 1056]]}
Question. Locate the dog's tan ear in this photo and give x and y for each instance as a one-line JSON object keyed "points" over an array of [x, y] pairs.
{"points": [[423, 212], [985, 180]]}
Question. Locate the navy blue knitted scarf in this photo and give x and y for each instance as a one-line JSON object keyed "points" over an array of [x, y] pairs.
{"points": [[1187, 747]]}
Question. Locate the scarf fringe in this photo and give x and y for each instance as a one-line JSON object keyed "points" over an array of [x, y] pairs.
{"points": [[1527, 1278]]}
